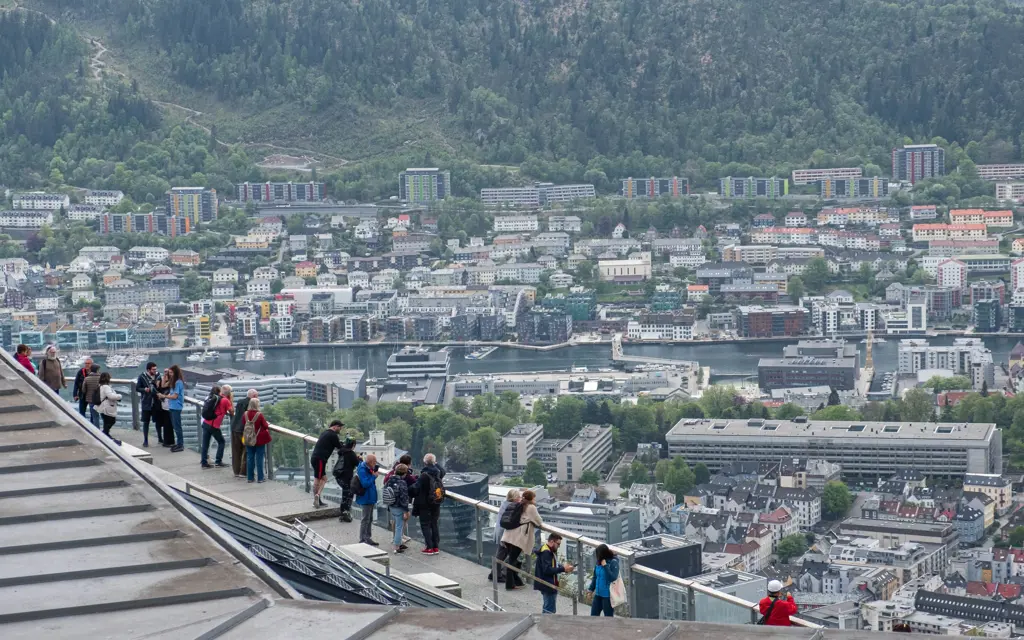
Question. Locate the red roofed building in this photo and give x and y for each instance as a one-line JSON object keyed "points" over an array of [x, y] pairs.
{"points": [[781, 522]]}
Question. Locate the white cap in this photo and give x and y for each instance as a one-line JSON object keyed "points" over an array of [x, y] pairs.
{"points": [[774, 586]]}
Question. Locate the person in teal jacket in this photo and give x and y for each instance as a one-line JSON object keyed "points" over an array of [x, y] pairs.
{"points": [[606, 572], [367, 472]]}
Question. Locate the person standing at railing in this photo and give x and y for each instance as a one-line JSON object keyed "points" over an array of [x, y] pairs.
{"points": [[91, 391], [161, 410], [606, 571], [145, 386], [775, 610], [107, 407], [366, 473], [519, 538], [326, 445], [344, 468], [175, 405], [76, 390], [547, 569], [23, 355], [215, 408], [398, 489], [238, 455], [512, 500], [256, 435], [427, 504], [51, 371]]}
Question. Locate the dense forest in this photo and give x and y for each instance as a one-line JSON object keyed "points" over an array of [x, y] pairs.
{"points": [[59, 126], [614, 87]]}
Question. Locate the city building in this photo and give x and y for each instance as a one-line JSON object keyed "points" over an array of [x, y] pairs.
{"points": [[730, 187], [1000, 171], [612, 523], [870, 449], [195, 204], [925, 232], [915, 162], [1001, 219], [810, 176], [951, 273], [279, 192], [587, 450], [1009, 192], [966, 356], [551, 193], [418, 362], [630, 270], [569, 224], [424, 185], [516, 223], [953, 248], [829, 188], [26, 218], [147, 255], [770, 322], [517, 446], [40, 201], [338, 388], [995, 486], [511, 196], [677, 556], [673, 600], [812, 362], [987, 316], [544, 326], [661, 326], [103, 198], [654, 187]]}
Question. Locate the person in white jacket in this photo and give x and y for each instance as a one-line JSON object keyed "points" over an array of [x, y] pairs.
{"points": [[108, 404]]}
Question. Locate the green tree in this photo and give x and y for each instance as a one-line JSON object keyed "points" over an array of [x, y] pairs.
{"points": [[717, 400], [833, 398], [590, 477], [918, 406], [839, 412], [948, 383], [701, 473], [836, 499], [636, 473], [676, 476], [816, 275], [795, 288], [1017, 536], [566, 418], [792, 546], [534, 474], [789, 411]]}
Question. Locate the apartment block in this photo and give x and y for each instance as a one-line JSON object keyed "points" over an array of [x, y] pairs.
{"points": [[767, 322], [550, 193], [829, 188], [625, 271], [916, 162], [810, 176], [424, 184], [195, 204], [1000, 171], [587, 450], [511, 196], [661, 326], [517, 446], [966, 356], [1003, 218], [924, 232], [751, 187], [516, 224], [750, 253], [103, 198], [1010, 192], [277, 192], [569, 224], [40, 201], [26, 218], [654, 187]]}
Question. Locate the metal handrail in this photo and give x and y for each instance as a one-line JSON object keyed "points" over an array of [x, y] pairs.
{"points": [[627, 555]]}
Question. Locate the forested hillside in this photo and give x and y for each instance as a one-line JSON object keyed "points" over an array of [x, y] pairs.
{"points": [[763, 82]]}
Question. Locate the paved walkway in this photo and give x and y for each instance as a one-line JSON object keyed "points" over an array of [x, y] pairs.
{"points": [[289, 502]]}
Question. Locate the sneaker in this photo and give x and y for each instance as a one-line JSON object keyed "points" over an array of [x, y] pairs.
{"points": [[427, 552], [145, 443], [397, 550], [260, 481], [219, 465], [435, 551], [177, 449], [116, 441], [403, 547], [206, 465], [250, 481], [373, 543]]}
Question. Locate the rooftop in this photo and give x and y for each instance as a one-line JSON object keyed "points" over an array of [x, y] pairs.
{"points": [[833, 429]]}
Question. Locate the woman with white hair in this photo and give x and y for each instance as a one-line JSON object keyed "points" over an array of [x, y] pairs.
{"points": [[512, 498], [256, 437]]}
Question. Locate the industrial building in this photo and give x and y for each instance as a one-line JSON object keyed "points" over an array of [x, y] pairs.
{"points": [[809, 363], [418, 362], [869, 449]]}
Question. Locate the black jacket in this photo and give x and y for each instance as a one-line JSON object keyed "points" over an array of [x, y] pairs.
{"points": [[76, 391], [147, 391], [347, 462], [238, 420], [422, 487]]}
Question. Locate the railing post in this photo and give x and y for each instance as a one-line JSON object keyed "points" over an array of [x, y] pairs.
{"points": [[494, 577], [305, 462], [631, 603], [135, 407], [754, 617], [199, 426], [479, 537], [270, 461], [579, 572], [691, 604]]}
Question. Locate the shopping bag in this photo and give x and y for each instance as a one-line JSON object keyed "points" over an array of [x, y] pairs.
{"points": [[617, 592]]}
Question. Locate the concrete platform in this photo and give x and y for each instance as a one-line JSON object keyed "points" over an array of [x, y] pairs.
{"points": [[273, 498], [439, 582]]}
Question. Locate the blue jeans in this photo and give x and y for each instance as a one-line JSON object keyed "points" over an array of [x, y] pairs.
{"points": [[210, 431], [397, 513], [254, 462], [94, 416], [179, 439], [550, 601], [602, 604]]}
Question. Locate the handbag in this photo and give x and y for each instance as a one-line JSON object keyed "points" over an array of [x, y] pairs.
{"points": [[617, 592]]}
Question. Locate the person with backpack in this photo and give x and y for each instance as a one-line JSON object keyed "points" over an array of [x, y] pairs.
{"points": [[256, 437], [107, 407], [237, 426], [427, 503], [519, 526], [51, 371], [364, 486], [325, 446], [77, 392], [396, 499], [606, 572], [91, 392], [775, 610], [215, 407], [512, 500], [344, 468]]}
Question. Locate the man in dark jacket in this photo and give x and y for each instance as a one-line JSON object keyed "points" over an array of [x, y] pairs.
{"points": [[322, 452], [547, 569], [76, 391], [237, 427], [346, 465], [426, 506], [146, 388], [90, 390]]}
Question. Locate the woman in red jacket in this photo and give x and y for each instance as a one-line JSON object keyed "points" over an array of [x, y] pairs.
{"points": [[256, 449], [775, 611]]}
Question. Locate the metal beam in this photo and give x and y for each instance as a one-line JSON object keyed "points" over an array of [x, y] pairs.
{"points": [[90, 542], [519, 629], [375, 625], [235, 620]]}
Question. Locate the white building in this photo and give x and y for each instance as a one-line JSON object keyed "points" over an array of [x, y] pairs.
{"points": [[517, 446], [265, 273], [84, 212], [808, 176], [569, 224], [660, 326], [966, 356], [588, 449], [629, 270], [104, 198], [41, 201], [25, 219], [566, 192], [560, 280], [225, 276], [525, 272], [511, 196], [951, 273], [1000, 171], [258, 287], [1009, 192], [516, 224], [148, 255]]}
